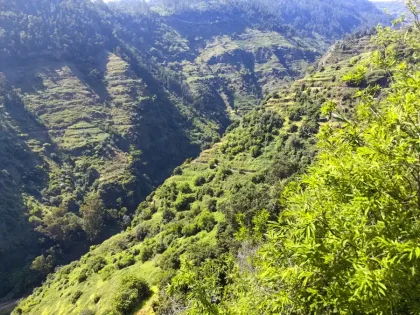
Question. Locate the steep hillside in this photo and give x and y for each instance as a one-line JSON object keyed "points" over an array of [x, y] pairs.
{"points": [[396, 7], [195, 214], [100, 103]]}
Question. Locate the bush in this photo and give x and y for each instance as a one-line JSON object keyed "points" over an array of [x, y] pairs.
{"points": [[293, 128], [257, 179], [107, 272], [76, 296], [296, 113], [185, 188], [132, 292], [190, 229], [255, 151], [211, 204], [178, 171], [141, 232], [146, 214], [199, 181], [146, 253], [224, 173], [183, 202], [170, 260], [205, 221], [308, 129], [82, 276], [167, 215], [126, 259], [160, 247], [97, 263], [213, 163], [87, 312], [355, 77]]}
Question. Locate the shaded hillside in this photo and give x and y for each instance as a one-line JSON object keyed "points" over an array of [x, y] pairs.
{"points": [[396, 7], [311, 18], [100, 104], [195, 214]]}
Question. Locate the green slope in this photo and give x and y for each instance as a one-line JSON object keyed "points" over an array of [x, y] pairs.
{"points": [[194, 214], [100, 103]]}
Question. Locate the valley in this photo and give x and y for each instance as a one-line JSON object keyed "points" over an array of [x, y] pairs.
{"points": [[148, 145]]}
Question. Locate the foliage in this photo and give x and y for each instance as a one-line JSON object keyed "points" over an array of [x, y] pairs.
{"points": [[100, 102], [43, 264], [347, 239], [132, 291], [76, 296], [184, 228], [357, 76], [93, 216]]}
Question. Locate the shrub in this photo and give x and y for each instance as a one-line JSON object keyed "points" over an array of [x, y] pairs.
{"points": [[146, 253], [126, 259], [211, 204], [141, 232], [224, 173], [76, 296], [296, 113], [43, 264], [257, 179], [170, 260], [255, 151], [185, 188], [82, 276], [146, 214], [167, 215], [97, 263], [87, 312], [213, 163], [178, 171], [199, 181], [308, 129], [205, 221], [355, 77], [293, 128], [183, 202], [190, 229], [160, 247], [107, 272], [132, 292]]}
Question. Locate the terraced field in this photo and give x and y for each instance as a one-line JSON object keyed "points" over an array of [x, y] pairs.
{"points": [[186, 217]]}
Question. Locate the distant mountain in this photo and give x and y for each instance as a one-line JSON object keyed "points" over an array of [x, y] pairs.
{"points": [[394, 7]]}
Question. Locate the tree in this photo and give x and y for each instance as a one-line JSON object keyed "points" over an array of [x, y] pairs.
{"points": [[93, 216], [43, 264]]}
